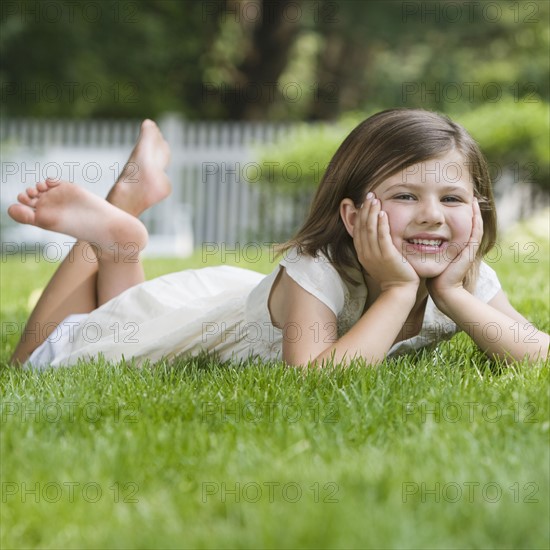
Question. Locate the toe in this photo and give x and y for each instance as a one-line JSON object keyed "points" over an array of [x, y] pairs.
{"points": [[148, 127], [24, 198], [52, 183], [41, 186], [21, 213], [32, 192]]}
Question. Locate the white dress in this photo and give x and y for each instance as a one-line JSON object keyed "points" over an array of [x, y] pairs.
{"points": [[222, 310]]}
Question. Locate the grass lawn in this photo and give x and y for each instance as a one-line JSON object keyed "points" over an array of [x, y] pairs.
{"points": [[438, 450]]}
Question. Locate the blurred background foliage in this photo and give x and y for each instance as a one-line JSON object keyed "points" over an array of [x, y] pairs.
{"points": [[514, 137], [484, 63]]}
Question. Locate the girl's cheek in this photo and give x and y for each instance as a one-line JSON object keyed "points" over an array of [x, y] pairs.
{"points": [[462, 225], [468, 221], [393, 220]]}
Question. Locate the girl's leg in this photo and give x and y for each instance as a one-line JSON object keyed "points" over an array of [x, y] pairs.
{"points": [[82, 283]]}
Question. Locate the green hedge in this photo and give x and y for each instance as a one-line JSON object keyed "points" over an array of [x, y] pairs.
{"points": [[513, 135]]}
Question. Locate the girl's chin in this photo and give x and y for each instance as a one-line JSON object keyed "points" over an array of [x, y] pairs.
{"points": [[428, 269]]}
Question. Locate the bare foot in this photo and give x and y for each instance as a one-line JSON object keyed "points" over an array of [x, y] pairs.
{"points": [[66, 208], [143, 182]]}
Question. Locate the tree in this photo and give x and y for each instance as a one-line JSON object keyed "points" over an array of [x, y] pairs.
{"points": [[246, 59]]}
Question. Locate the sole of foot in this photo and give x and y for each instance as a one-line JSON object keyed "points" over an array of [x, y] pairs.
{"points": [[66, 208], [143, 181]]}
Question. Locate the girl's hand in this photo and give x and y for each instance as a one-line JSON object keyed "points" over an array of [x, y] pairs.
{"points": [[375, 249], [453, 275]]}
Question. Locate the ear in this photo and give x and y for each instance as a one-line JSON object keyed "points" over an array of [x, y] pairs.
{"points": [[348, 213]]}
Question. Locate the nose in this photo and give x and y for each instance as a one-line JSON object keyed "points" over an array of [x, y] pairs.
{"points": [[430, 211]]}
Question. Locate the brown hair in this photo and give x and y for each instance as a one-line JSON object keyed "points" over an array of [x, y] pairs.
{"points": [[376, 149]]}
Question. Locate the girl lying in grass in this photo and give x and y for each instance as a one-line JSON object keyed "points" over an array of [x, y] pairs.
{"points": [[389, 260]]}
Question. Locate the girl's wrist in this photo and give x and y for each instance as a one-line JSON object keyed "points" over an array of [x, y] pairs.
{"points": [[403, 292], [444, 299]]}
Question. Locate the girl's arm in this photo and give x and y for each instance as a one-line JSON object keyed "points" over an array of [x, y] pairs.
{"points": [[309, 328], [314, 336], [496, 327]]}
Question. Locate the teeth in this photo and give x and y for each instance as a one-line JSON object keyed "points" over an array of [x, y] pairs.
{"points": [[428, 242]]}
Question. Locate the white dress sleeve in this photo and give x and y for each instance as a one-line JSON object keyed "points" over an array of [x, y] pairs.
{"points": [[318, 277], [487, 283]]}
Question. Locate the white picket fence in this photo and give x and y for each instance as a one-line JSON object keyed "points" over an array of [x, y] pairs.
{"points": [[211, 164]]}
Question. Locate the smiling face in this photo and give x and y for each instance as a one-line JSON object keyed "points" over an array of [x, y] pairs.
{"points": [[429, 208]]}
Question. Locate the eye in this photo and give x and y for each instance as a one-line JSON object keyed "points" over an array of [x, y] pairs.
{"points": [[404, 197], [452, 199]]}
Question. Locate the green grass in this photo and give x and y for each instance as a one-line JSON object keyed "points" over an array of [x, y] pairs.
{"points": [[438, 450]]}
